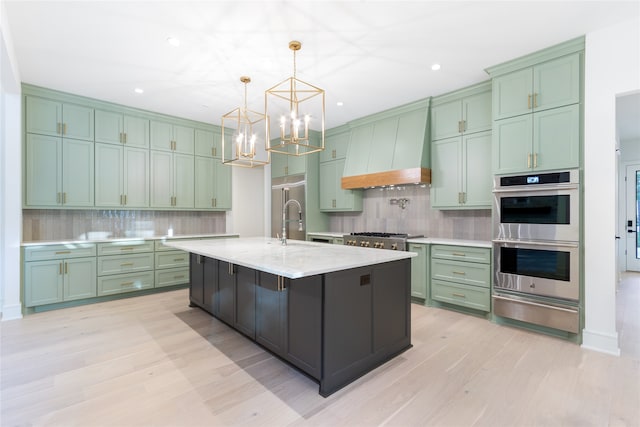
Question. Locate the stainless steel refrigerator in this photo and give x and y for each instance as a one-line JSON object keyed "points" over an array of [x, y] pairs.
{"points": [[282, 190]]}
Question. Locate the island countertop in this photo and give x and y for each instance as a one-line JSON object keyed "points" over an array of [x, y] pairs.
{"points": [[295, 260]]}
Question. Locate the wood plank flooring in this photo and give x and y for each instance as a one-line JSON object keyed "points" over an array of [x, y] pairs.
{"points": [[152, 360]]}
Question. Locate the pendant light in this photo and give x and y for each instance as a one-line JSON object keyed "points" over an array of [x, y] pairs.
{"points": [[242, 131], [297, 109]]}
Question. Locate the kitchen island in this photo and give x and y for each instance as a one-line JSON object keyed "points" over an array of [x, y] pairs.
{"points": [[335, 312]]}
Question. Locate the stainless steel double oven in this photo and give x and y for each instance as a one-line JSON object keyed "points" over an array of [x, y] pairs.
{"points": [[536, 247]]}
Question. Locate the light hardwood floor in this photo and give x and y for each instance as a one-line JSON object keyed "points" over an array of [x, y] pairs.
{"points": [[152, 360]]}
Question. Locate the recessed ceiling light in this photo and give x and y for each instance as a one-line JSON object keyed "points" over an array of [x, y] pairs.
{"points": [[435, 67], [173, 41], [339, 103], [138, 90]]}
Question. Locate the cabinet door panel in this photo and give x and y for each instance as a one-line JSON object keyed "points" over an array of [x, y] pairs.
{"points": [[446, 172], [136, 177], [43, 175], [419, 270], [204, 182], [222, 185], [108, 175], [109, 127], [512, 144], [226, 292], [78, 122], [161, 179], [136, 131], [511, 94], [478, 177], [557, 83], [557, 138], [445, 120], [80, 278], [78, 172], [327, 186], [43, 281], [43, 116], [161, 135], [356, 163], [476, 112], [196, 284], [335, 146], [409, 144], [184, 137], [383, 144], [183, 180], [204, 144], [246, 300], [210, 284], [271, 305], [278, 165]]}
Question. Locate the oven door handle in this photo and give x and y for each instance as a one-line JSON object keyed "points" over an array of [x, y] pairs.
{"points": [[529, 302], [529, 242], [531, 189]]}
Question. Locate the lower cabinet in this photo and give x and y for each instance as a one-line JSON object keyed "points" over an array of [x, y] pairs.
{"points": [[130, 269], [461, 276], [271, 312], [419, 270]]}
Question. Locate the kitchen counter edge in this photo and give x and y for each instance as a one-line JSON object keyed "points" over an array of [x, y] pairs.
{"points": [[451, 242], [124, 239]]}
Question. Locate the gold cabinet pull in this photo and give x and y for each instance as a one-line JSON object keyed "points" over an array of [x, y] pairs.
{"points": [[62, 252], [215, 202], [126, 264], [529, 102], [60, 268], [178, 259], [57, 197], [535, 160], [528, 160], [58, 127], [464, 126], [455, 294], [66, 268], [128, 248], [462, 273], [64, 128], [179, 277], [458, 254], [125, 137], [126, 283], [333, 154], [535, 100], [64, 198], [333, 203]]}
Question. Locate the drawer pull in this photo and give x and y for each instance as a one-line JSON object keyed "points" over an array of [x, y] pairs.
{"points": [[128, 248], [455, 294], [459, 272], [458, 254], [179, 277], [126, 283], [126, 264], [178, 259], [62, 252]]}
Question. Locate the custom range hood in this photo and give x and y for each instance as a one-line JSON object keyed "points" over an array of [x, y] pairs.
{"points": [[389, 148]]}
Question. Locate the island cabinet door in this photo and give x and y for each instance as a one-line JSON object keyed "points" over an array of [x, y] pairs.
{"points": [[303, 338], [226, 292], [348, 325], [210, 285], [271, 312], [196, 286], [245, 320]]}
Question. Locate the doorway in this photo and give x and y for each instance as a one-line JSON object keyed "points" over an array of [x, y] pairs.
{"points": [[632, 217]]}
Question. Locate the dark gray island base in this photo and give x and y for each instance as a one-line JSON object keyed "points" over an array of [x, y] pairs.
{"points": [[335, 326]]}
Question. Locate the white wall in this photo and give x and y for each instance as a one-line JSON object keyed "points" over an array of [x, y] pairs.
{"points": [[10, 175], [612, 67], [246, 217]]}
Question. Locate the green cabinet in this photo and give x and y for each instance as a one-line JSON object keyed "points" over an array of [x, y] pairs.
{"points": [[357, 160], [118, 128], [419, 270], [59, 172], [125, 266], [537, 110], [461, 276], [58, 273], [209, 144], [461, 176], [461, 112], [121, 176], [167, 136], [172, 177], [212, 184], [336, 144], [285, 165], [53, 118], [551, 84], [332, 197]]}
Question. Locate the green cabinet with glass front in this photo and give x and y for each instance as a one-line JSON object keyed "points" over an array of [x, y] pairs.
{"points": [[537, 110]]}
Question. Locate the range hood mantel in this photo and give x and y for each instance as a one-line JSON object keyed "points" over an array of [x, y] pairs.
{"points": [[394, 177]]}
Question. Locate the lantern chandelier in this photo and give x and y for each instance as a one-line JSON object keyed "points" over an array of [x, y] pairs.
{"points": [[242, 131], [296, 108]]}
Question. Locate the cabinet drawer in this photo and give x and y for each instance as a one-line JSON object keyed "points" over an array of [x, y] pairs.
{"points": [[44, 252], [116, 264], [461, 272], [172, 276], [171, 259], [462, 295], [120, 283], [461, 253], [127, 247]]}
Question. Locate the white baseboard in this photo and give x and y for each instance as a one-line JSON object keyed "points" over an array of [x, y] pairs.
{"points": [[11, 312], [604, 343]]}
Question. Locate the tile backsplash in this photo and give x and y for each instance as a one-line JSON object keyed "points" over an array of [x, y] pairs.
{"points": [[417, 217], [54, 224]]}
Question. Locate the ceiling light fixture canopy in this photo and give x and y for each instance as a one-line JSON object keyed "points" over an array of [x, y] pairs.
{"points": [[242, 131], [298, 108]]}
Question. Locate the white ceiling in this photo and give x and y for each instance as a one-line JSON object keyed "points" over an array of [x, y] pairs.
{"points": [[371, 55]]}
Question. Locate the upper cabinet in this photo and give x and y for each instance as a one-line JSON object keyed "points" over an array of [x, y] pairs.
{"points": [[285, 165], [538, 110], [117, 128], [467, 114], [172, 137], [332, 197], [67, 120]]}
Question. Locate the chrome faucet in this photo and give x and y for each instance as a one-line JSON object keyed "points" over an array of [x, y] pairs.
{"points": [[284, 219]]}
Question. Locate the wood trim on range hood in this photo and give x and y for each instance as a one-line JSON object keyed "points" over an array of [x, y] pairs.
{"points": [[395, 177]]}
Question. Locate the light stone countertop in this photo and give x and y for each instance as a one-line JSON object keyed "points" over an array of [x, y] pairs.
{"points": [[123, 239], [454, 242], [326, 233], [297, 259]]}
